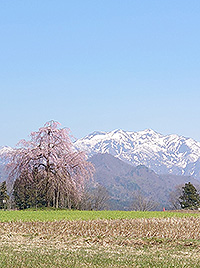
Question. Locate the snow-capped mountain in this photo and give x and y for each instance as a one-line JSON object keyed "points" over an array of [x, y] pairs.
{"points": [[3, 161], [164, 154], [4, 150]]}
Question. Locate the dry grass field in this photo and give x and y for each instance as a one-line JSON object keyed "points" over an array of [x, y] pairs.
{"points": [[142, 242]]}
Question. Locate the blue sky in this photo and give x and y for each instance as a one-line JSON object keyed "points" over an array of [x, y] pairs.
{"points": [[99, 65]]}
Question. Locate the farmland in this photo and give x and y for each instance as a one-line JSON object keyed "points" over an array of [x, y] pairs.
{"points": [[99, 239]]}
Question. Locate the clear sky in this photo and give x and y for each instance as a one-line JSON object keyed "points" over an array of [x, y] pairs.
{"points": [[99, 65]]}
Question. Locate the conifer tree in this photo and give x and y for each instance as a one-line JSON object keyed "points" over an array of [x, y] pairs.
{"points": [[190, 199], [3, 195]]}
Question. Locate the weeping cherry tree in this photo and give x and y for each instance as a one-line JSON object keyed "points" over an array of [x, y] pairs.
{"points": [[49, 164]]}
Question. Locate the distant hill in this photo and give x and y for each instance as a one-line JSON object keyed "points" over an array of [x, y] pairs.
{"points": [[170, 154], [121, 179]]}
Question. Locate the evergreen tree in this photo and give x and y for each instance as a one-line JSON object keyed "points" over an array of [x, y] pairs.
{"points": [[27, 193], [3, 195], [190, 199]]}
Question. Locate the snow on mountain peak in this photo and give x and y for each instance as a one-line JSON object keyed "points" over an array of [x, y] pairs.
{"points": [[5, 150], [94, 135], [162, 153]]}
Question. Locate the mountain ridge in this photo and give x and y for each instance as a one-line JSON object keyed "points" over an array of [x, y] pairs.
{"points": [[122, 180], [165, 154], [170, 154]]}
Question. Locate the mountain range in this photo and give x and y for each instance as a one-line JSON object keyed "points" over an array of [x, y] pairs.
{"points": [[122, 180], [164, 154]]}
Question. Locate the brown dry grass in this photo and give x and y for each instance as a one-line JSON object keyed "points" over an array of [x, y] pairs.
{"points": [[156, 242], [185, 211], [102, 232]]}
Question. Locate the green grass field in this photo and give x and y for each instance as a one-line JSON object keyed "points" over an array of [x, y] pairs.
{"points": [[57, 215], [75, 239]]}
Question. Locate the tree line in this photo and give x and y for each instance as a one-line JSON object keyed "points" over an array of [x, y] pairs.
{"points": [[95, 197]]}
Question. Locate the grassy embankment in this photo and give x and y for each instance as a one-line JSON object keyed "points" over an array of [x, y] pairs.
{"points": [[99, 239]]}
